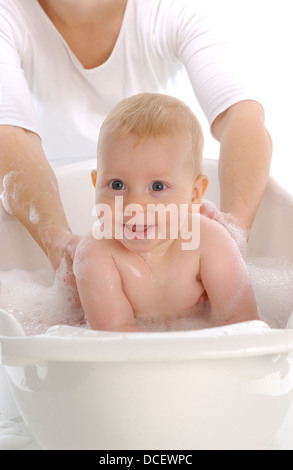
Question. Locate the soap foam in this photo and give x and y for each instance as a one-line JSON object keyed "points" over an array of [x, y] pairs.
{"points": [[34, 216], [198, 321], [39, 300], [7, 181], [272, 281]]}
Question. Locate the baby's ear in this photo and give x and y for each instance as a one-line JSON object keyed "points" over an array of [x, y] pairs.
{"points": [[199, 190], [94, 177]]}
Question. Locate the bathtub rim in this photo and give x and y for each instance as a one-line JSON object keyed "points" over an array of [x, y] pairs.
{"points": [[72, 344]]}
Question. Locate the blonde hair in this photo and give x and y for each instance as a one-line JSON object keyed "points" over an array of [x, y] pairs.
{"points": [[154, 114]]}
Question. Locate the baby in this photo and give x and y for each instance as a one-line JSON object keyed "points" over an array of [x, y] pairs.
{"points": [[152, 256]]}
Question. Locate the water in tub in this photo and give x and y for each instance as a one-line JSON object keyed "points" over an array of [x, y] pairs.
{"points": [[40, 300]]}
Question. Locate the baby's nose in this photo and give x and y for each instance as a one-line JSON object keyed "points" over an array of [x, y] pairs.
{"points": [[135, 210], [136, 203]]}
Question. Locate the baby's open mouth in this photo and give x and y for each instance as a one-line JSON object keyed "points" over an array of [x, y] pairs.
{"points": [[134, 231]]}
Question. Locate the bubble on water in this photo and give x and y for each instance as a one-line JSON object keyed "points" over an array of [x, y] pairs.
{"points": [[38, 300], [198, 321], [272, 281]]}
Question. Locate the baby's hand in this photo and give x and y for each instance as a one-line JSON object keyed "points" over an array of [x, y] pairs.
{"points": [[240, 235]]}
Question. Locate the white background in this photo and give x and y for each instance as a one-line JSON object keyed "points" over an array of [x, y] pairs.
{"points": [[262, 32]]}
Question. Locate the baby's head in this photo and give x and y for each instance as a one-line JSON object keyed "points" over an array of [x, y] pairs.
{"points": [[150, 152], [154, 115]]}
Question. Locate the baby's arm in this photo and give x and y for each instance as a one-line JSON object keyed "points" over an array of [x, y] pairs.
{"points": [[100, 288], [225, 277]]}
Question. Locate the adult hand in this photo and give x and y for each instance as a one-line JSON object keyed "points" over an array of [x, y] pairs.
{"points": [[61, 255]]}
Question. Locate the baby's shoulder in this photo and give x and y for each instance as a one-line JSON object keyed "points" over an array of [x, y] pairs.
{"points": [[93, 257], [90, 247], [212, 233], [210, 227]]}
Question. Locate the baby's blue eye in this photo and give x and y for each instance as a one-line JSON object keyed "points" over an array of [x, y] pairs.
{"points": [[158, 186], [117, 185]]}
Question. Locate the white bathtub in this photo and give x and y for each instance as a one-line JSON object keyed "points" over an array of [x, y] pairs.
{"points": [[222, 388]]}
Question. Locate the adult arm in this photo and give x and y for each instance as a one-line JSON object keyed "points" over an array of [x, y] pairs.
{"points": [[236, 119], [30, 187], [245, 159]]}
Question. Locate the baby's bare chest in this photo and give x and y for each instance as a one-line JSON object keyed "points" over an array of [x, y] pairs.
{"points": [[170, 291]]}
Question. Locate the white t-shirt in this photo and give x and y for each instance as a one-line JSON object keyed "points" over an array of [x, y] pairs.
{"points": [[45, 89]]}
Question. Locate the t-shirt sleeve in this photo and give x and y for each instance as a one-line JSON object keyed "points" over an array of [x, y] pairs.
{"points": [[201, 45], [16, 104]]}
